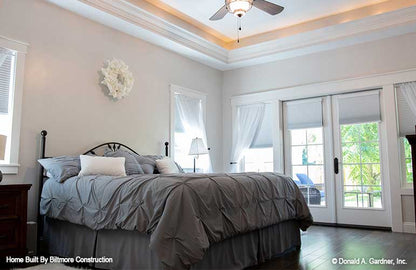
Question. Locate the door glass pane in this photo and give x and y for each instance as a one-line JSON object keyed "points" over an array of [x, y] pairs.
{"points": [[370, 152], [307, 151], [299, 155], [361, 165], [350, 153]]}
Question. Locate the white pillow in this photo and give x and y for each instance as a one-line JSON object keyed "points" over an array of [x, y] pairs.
{"points": [[113, 166], [166, 165]]}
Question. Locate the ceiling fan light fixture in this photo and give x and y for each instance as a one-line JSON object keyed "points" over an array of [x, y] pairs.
{"points": [[239, 7]]}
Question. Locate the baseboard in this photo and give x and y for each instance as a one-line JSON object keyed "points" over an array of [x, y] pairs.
{"points": [[364, 227], [409, 227]]}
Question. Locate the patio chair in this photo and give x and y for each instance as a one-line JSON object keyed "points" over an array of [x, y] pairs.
{"points": [[306, 181]]}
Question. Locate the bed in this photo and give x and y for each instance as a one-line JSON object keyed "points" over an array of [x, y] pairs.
{"points": [[171, 221]]}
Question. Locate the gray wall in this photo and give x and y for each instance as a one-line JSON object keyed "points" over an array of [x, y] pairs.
{"points": [[62, 92]]}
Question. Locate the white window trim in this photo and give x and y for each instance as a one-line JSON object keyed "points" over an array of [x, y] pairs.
{"points": [[16, 109], [174, 90]]}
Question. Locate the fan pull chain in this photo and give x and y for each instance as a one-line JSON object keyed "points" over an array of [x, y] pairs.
{"points": [[238, 29]]}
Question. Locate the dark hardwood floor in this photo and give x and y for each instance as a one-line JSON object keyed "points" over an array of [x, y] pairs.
{"points": [[321, 244]]}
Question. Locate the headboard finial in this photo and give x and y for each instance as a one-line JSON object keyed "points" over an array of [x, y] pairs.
{"points": [[43, 133], [167, 149]]}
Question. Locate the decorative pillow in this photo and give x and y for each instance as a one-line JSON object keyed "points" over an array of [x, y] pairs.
{"points": [[166, 165], [113, 166], [61, 168], [148, 163], [132, 165]]}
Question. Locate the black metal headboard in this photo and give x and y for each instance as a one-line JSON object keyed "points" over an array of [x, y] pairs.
{"points": [[113, 146]]}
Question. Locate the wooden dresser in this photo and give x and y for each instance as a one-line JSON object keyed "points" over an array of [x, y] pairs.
{"points": [[13, 218]]}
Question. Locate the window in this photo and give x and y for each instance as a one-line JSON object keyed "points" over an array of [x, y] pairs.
{"points": [[259, 156], [258, 160], [7, 74], [305, 148], [361, 165], [407, 162], [406, 107], [307, 152], [12, 56], [189, 123]]}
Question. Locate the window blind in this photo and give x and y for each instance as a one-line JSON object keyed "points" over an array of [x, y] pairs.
{"points": [[6, 72], [407, 117], [303, 113], [359, 107], [264, 135]]}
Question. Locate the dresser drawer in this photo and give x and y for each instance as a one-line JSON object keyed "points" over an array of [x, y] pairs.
{"points": [[9, 203], [9, 235]]}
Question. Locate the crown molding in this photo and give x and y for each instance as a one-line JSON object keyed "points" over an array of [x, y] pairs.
{"points": [[133, 20], [368, 29], [130, 19]]}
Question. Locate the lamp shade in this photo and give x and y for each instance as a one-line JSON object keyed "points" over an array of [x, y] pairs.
{"points": [[198, 147]]}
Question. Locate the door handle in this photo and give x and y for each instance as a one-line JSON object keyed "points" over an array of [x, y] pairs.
{"points": [[336, 166]]}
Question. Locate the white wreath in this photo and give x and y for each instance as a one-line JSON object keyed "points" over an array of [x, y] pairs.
{"points": [[118, 79]]}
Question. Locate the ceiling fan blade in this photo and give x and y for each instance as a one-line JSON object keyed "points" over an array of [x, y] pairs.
{"points": [[219, 14], [268, 7]]}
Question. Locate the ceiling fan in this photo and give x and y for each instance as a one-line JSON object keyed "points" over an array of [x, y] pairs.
{"points": [[240, 7]]}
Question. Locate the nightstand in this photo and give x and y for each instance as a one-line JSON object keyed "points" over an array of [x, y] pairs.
{"points": [[13, 218]]}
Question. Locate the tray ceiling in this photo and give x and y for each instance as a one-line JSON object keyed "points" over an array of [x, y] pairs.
{"points": [[304, 27], [256, 21]]}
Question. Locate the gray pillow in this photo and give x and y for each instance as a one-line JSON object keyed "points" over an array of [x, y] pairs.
{"points": [[148, 164], [132, 165], [61, 168]]}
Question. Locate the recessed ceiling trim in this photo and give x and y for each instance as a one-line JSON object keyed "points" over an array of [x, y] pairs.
{"points": [[326, 34], [124, 16], [133, 14], [199, 27], [335, 19]]}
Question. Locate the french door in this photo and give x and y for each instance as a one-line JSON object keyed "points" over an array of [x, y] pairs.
{"points": [[333, 152]]}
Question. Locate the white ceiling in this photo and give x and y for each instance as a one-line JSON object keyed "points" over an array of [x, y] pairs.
{"points": [[256, 21]]}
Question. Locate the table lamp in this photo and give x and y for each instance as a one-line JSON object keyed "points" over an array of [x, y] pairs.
{"points": [[197, 148]]}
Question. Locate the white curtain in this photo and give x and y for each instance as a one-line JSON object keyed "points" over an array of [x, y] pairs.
{"points": [[191, 115], [409, 93], [245, 127]]}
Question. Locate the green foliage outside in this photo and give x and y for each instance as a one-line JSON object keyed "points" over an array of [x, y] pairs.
{"points": [[408, 159], [361, 156]]}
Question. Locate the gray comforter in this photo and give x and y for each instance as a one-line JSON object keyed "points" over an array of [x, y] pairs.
{"points": [[184, 213]]}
